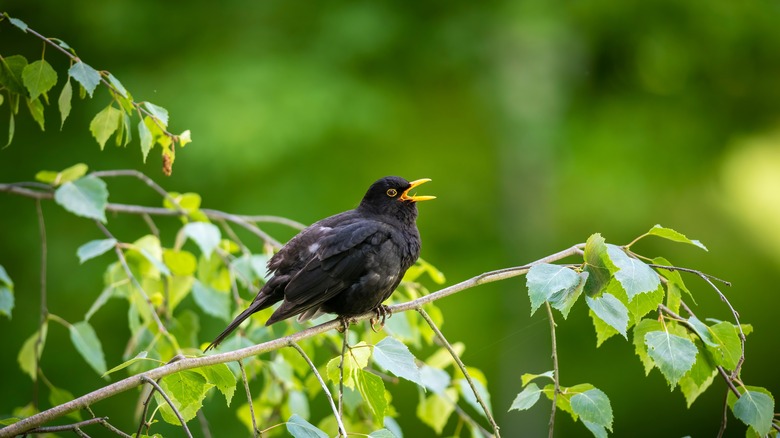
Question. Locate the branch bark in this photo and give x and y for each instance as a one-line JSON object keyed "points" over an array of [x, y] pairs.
{"points": [[113, 389]]}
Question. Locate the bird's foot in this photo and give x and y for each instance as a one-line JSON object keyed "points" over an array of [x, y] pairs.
{"points": [[345, 321], [382, 311]]}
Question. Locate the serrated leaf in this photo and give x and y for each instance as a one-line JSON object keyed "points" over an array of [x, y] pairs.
{"points": [[700, 376], [39, 77], [756, 409], [674, 355], [145, 136], [597, 430], [593, 406], [104, 124], [187, 389], [94, 248], [729, 348], [610, 310], [157, 111], [36, 111], [544, 280], [565, 395], [28, 353], [527, 377], [205, 235], [300, 428], [435, 409], [118, 85], [603, 330], [644, 303], [11, 68], [676, 236], [88, 345], [634, 275], [85, 75], [211, 301], [220, 376], [526, 398], [563, 300], [597, 264], [85, 197], [372, 389], [392, 355], [702, 330]]}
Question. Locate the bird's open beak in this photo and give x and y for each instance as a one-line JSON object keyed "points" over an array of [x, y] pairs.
{"points": [[415, 198]]}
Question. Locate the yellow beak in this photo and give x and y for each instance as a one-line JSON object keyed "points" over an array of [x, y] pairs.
{"points": [[415, 198]]}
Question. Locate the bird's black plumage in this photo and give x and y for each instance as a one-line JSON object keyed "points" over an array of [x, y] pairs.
{"points": [[346, 264]]}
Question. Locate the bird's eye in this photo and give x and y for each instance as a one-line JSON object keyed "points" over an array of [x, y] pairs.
{"points": [[392, 192]]}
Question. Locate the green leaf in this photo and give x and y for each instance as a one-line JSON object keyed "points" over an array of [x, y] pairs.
{"points": [[700, 376], [39, 77], [205, 235], [355, 360], [211, 301], [187, 389], [118, 85], [563, 300], [145, 136], [157, 111], [392, 355], [220, 376], [58, 396], [11, 69], [702, 330], [105, 124], [674, 355], [155, 259], [435, 379], [300, 428], [527, 377], [597, 265], [526, 398], [85, 197], [674, 277], [634, 275], [28, 353], [36, 111], [372, 389], [185, 138], [88, 345], [756, 409], [668, 233], [87, 76], [642, 328], [6, 293], [596, 429], [544, 280], [180, 262], [72, 173], [18, 23], [604, 331], [434, 410], [593, 406], [94, 248], [564, 398], [610, 310], [643, 304], [64, 101], [729, 348]]}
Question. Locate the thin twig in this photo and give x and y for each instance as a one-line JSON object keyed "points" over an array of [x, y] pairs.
{"points": [[195, 362], [145, 410], [204, 424], [123, 261], [274, 219], [725, 420], [341, 369], [150, 223], [170, 403], [67, 427], [110, 427], [256, 431], [44, 312], [462, 367], [556, 378], [689, 270], [342, 429]]}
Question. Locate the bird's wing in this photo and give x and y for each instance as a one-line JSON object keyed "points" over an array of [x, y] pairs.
{"points": [[341, 258]]}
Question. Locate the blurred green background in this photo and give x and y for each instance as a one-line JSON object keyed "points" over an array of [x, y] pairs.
{"points": [[539, 123]]}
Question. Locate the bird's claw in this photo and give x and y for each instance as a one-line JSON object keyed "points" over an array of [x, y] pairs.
{"points": [[382, 311], [345, 321]]}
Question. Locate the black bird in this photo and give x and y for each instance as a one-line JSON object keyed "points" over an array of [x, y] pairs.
{"points": [[347, 264]]}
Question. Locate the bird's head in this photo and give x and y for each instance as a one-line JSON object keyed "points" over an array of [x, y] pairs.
{"points": [[392, 195]]}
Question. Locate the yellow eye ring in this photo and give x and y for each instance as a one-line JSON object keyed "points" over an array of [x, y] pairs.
{"points": [[392, 192]]}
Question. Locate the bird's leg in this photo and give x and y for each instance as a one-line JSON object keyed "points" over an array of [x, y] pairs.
{"points": [[381, 311], [344, 324]]}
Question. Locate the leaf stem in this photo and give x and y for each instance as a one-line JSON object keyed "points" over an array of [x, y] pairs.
{"points": [[170, 403], [342, 429]]}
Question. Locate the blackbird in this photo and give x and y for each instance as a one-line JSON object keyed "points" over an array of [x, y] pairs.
{"points": [[346, 264]]}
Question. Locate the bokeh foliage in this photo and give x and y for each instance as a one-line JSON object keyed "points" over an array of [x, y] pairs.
{"points": [[539, 122]]}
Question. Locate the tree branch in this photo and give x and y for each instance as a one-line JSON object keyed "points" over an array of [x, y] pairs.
{"points": [[255, 430], [463, 369], [275, 344]]}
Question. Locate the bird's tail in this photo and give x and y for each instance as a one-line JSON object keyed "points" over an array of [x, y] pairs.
{"points": [[256, 306]]}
